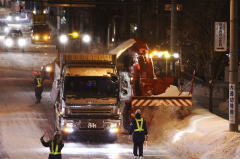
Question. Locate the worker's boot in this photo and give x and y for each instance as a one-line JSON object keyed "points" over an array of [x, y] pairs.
{"points": [[135, 157], [141, 157]]}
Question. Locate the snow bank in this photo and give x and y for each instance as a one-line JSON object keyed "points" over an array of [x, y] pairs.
{"points": [[173, 91], [201, 135]]}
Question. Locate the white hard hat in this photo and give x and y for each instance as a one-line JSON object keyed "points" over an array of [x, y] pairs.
{"points": [[138, 111]]}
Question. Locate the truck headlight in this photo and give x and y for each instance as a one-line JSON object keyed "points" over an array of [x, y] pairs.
{"points": [[68, 128], [9, 42], [70, 125], [113, 125], [21, 42], [113, 128]]}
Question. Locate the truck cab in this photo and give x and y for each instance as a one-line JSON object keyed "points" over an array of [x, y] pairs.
{"points": [[88, 96], [41, 33]]}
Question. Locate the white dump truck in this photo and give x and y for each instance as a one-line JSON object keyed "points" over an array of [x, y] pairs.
{"points": [[86, 94]]}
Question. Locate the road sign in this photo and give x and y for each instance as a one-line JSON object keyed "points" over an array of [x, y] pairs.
{"points": [[168, 7], [232, 104], [220, 40]]}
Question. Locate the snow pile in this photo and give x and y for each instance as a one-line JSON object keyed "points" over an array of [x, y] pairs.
{"points": [[173, 91], [201, 135]]}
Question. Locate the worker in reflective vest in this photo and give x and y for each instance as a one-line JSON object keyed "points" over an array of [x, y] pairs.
{"points": [[138, 130], [55, 146], [38, 84]]}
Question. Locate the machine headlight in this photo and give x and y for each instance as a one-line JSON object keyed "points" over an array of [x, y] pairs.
{"points": [[48, 69], [21, 42], [46, 37], [9, 42]]}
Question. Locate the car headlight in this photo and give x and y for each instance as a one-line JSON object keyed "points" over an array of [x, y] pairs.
{"points": [[6, 29], [21, 42], [9, 18], [9, 42]]}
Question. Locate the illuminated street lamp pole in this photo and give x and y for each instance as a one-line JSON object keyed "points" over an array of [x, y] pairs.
{"points": [[86, 39], [233, 69], [63, 39]]}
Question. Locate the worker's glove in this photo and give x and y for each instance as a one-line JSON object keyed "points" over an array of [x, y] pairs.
{"points": [[146, 138], [129, 137]]}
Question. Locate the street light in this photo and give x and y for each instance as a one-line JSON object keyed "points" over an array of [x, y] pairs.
{"points": [[86, 38], [63, 39], [167, 56]]}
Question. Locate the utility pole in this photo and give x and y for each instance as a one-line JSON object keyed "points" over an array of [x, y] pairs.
{"points": [[233, 69], [157, 22], [173, 32], [173, 26]]}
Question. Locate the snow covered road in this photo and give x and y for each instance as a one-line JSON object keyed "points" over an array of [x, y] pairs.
{"points": [[22, 122], [201, 135]]}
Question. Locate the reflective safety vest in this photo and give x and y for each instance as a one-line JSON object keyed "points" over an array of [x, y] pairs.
{"points": [[39, 82], [56, 149], [139, 126]]}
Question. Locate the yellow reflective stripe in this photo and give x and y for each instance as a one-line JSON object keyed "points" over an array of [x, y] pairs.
{"points": [[39, 82], [139, 127], [56, 150]]}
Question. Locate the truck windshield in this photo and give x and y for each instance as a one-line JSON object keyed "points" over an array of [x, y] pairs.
{"points": [[90, 87]]}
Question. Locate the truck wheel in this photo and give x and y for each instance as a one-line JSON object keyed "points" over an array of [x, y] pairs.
{"points": [[65, 137], [112, 138]]}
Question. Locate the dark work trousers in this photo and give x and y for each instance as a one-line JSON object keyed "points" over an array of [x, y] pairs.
{"points": [[38, 94], [138, 146], [59, 156]]}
